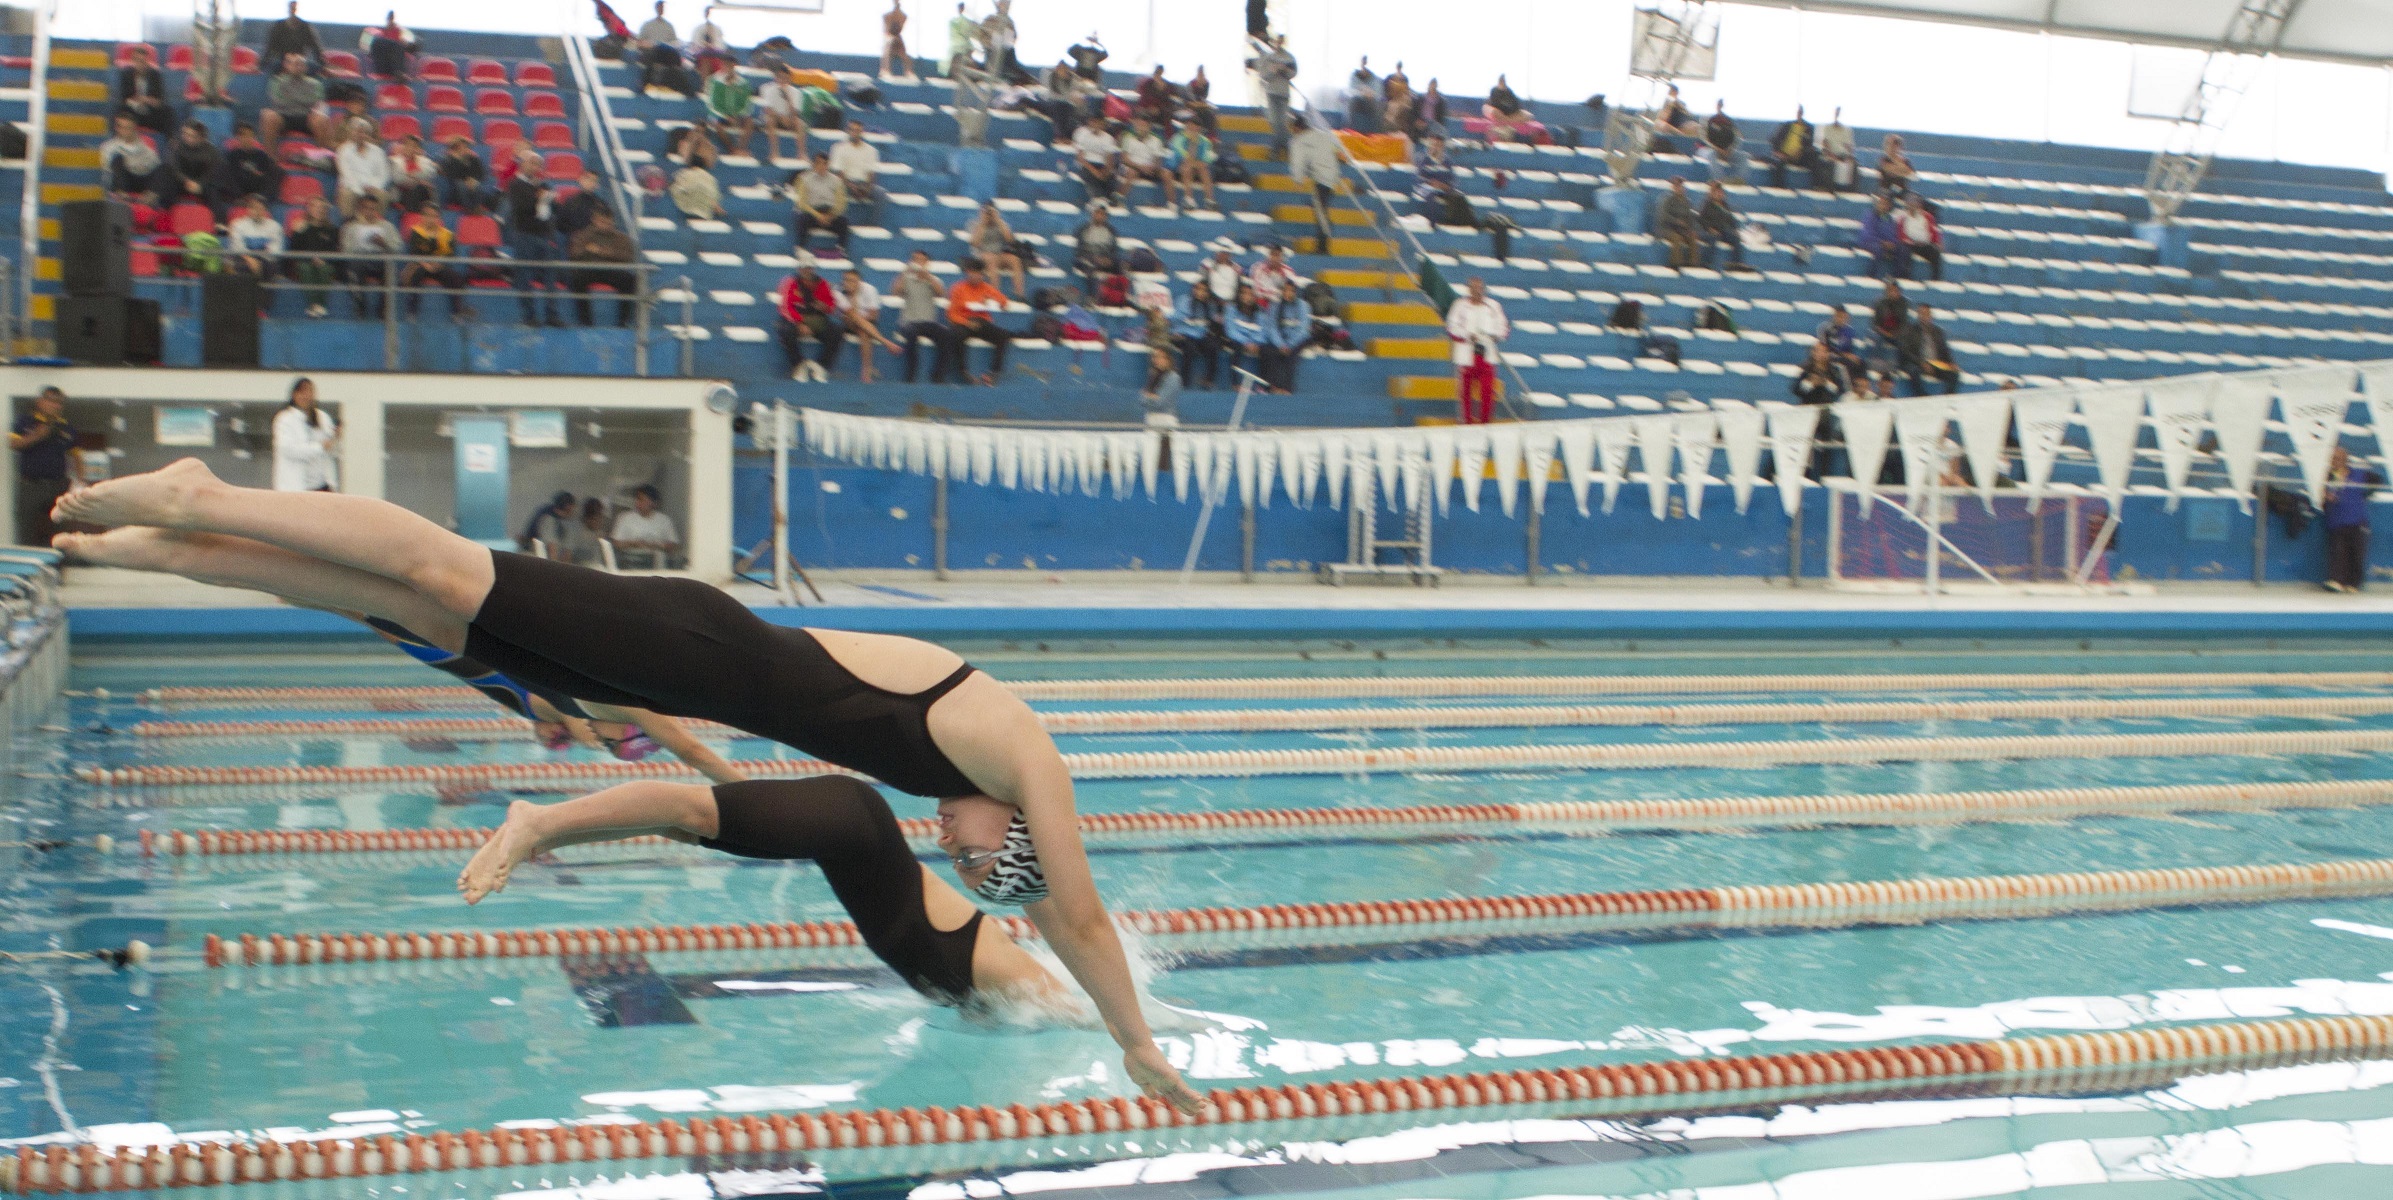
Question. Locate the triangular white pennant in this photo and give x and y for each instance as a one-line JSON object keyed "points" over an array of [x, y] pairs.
{"points": [[1150, 459], [2314, 404], [1537, 450], [2043, 419], [1005, 450], [1578, 460], [981, 451], [1359, 477], [1694, 433], [1441, 468], [1127, 456], [1292, 467], [1470, 450], [935, 450], [2180, 416], [1504, 450], [1615, 439], [1200, 466], [2114, 417], [1919, 426], [1225, 466], [1416, 474], [1309, 450], [1386, 457], [1184, 460], [1741, 437], [1985, 419], [1653, 461], [1793, 428], [1867, 425], [1245, 455], [1267, 464], [2377, 380], [916, 449], [2239, 416], [1333, 468], [1033, 447]]}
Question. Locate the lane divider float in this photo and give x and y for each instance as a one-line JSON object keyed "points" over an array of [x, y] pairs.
{"points": [[2116, 1061], [1577, 816], [1335, 760], [1286, 720], [1390, 687]]}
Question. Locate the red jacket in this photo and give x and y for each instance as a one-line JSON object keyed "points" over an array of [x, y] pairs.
{"points": [[796, 303]]}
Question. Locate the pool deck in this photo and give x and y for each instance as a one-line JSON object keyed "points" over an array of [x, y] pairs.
{"points": [[120, 605]]}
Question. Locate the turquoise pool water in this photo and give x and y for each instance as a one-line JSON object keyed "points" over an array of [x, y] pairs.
{"points": [[185, 1051]]}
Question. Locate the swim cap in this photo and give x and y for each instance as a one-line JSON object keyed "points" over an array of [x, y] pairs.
{"points": [[634, 746], [1014, 875]]}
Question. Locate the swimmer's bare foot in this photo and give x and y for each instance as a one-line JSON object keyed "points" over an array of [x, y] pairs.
{"points": [[134, 547], [161, 497], [507, 849]]}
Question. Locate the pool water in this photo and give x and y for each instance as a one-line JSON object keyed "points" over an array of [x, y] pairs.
{"points": [[181, 1050]]}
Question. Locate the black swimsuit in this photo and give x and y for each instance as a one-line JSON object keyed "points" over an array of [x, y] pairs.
{"points": [[680, 647]]}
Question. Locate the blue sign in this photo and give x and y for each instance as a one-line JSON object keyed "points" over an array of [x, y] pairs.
{"points": [[481, 478]]}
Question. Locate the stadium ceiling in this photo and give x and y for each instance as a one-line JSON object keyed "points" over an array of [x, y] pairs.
{"points": [[2346, 31]]}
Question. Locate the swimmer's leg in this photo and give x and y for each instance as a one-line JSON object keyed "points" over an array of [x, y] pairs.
{"points": [[355, 531], [243, 563], [681, 811]]}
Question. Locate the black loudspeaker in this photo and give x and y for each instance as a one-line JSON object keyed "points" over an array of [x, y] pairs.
{"points": [[228, 310], [107, 331], [98, 237]]}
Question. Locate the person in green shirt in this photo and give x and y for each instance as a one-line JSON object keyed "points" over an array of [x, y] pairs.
{"points": [[962, 33], [731, 103]]}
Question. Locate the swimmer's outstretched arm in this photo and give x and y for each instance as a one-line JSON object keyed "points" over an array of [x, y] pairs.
{"points": [[670, 733]]}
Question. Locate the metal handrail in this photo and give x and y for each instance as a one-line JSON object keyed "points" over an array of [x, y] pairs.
{"points": [[29, 223], [598, 123]]}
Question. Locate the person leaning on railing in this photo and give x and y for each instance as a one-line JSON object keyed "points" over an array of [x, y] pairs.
{"points": [[609, 250], [254, 239], [369, 233], [313, 235]]}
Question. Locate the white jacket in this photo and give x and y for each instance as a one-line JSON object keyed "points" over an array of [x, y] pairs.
{"points": [[1313, 157], [303, 460], [1476, 326]]}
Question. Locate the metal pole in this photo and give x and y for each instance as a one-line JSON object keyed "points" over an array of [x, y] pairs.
{"points": [[390, 315], [1246, 543], [640, 306], [29, 243], [1936, 537], [939, 528], [1794, 544], [1536, 524], [689, 344], [1220, 488], [781, 436], [2259, 545]]}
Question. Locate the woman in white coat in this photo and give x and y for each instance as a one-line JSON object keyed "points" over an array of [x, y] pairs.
{"points": [[304, 435]]}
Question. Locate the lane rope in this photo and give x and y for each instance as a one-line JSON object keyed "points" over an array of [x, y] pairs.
{"points": [[2116, 1061], [1750, 907], [1375, 687], [1589, 816], [1524, 716], [1339, 760]]}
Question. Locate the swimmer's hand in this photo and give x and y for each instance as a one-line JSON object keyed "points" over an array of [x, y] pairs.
{"points": [[1154, 1075]]}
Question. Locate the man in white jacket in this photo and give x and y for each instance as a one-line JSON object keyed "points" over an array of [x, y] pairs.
{"points": [[1313, 159], [1478, 329]]}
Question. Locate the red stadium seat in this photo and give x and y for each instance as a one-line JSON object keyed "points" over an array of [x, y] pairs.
{"points": [[561, 166], [437, 70], [145, 262], [486, 73], [191, 88], [190, 217], [245, 61], [444, 99], [499, 131], [553, 135], [124, 52], [299, 187], [398, 125], [178, 57], [478, 231], [396, 97], [544, 104], [535, 75], [494, 102], [449, 129], [340, 64]]}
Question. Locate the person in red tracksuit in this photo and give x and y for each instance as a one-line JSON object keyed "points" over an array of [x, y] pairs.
{"points": [[808, 309], [1477, 327]]}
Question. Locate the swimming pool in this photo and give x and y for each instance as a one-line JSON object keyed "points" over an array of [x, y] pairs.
{"points": [[366, 1050]]}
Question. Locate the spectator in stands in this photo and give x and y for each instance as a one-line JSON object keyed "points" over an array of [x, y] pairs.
{"points": [[1503, 112], [254, 239], [584, 538], [1843, 341], [1399, 109], [992, 242], [1197, 332], [1273, 278], [1674, 224], [1362, 103], [387, 47], [895, 62], [807, 308], [1222, 272], [1792, 145], [1088, 57], [603, 254], [1922, 351], [1718, 227], [1835, 168], [1431, 112], [1142, 159], [1890, 313], [1894, 166], [997, 35], [1287, 330], [128, 163], [1476, 325], [141, 92], [698, 194], [972, 306], [1923, 237], [1243, 334], [2346, 516], [659, 45], [362, 169], [1275, 69], [195, 169], [46, 465], [1433, 173], [1199, 94], [1099, 155], [689, 146], [1822, 379], [779, 110], [295, 102], [532, 238], [1067, 100], [464, 181], [857, 162], [1192, 154], [415, 175], [860, 310], [1157, 99], [1313, 162], [547, 528], [819, 199], [249, 168], [921, 301], [1723, 151], [434, 248], [645, 536], [730, 105], [1881, 238], [709, 51], [314, 235], [962, 33], [1159, 400], [572, 213], [290, 36], [369, 233], [1097, 253]]}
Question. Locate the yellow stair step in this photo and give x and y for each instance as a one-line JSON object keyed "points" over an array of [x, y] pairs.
{"points": [[49, 229], [71, 59], [44, 307], [46, 268], [1285, 183], [1421, 387], [1304, 213], [73, 158], [78, 89], [1340, 277], [1245, 124], [85, 123], [1347, 247], [1426, 349], [61, 193], [1374, 312]]}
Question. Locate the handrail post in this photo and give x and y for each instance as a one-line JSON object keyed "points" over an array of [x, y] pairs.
{"points": [[29, 214], [390, 314], [689, 341], [641, 309]]}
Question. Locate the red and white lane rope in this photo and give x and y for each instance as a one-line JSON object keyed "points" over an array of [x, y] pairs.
{"points": [[1591, 816], [1338, 760], [1271, 720], [1768, 906], [1420, 687], [2124, 1060]]}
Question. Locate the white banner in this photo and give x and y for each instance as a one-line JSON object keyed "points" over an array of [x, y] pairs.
{"points": [[1653, 460], [1741, 438], [1693, 433], [2043, 419], [2239, 416], [2314, 404], [2180, 416], [1793, 428], [2113, 417], [1867, 424], [1919, 425], [1985, 421]]}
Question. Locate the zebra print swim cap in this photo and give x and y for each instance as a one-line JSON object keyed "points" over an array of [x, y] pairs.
{"points": [[1014, 875]]}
